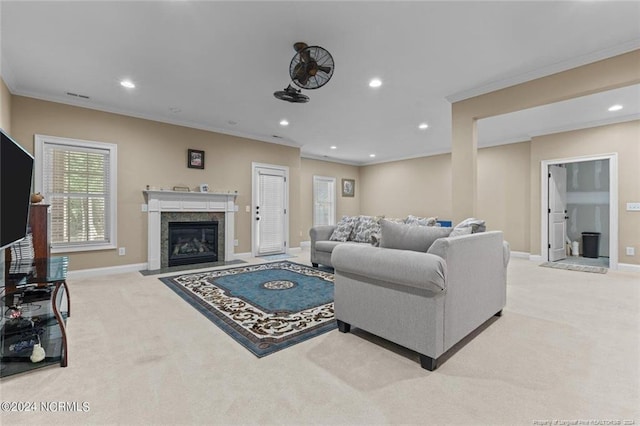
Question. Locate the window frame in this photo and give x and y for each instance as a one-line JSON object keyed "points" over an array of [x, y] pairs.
{"points": [[111, 218], [333, 202]]}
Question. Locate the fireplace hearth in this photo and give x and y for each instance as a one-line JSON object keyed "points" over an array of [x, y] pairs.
{"points": [[192, 242]]}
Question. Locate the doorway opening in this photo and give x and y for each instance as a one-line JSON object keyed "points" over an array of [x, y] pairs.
{"points": [[579, 218]]}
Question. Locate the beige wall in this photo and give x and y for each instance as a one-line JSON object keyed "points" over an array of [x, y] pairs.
{"points": [[619, 71], [5, 107], [623, 139], [504, 194], [153, 153], [419, 186], [344, 205]]}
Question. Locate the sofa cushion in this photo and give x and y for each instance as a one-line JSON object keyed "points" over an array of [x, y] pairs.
{"points": [[407, 237], [419, 270], [421, 221], [344, 228], [328, 246], [366, 227]]}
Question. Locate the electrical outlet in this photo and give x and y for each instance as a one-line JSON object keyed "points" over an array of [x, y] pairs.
{"points": [[633, 207], [145, 208], [122, 251], [631, 251], [247, 209], [235, 243]]}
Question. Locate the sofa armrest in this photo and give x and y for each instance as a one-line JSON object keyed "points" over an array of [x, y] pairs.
{"points": [[321, 233], [402, 267], [476, 280]]}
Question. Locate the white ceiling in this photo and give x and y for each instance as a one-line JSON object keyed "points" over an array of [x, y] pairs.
{"points": [[215, 65]]}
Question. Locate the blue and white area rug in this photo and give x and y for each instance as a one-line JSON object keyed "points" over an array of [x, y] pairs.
{"points": [[266, 307]]}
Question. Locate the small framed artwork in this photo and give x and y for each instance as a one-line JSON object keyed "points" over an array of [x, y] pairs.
{"points": [[204, 187], [195, 159], [348, 187]]}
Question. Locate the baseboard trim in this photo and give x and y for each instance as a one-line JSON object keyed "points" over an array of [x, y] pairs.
{"points": [[109, 270], [520, 254], [242, 255], [628, 267]]}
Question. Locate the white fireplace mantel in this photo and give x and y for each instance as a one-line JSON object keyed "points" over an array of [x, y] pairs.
{"points": [[178, 201]]}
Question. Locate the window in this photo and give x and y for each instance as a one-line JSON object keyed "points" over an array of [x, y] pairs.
{"points": [[78, 180], [324, 200]]}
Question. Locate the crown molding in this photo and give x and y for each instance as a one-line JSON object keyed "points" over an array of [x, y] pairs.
{"points": [[555, 68], [183, 123], [560, 129]]}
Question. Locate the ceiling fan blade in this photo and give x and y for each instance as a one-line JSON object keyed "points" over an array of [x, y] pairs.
{"points": [[304, 79], [324, 69], [299, 71]]}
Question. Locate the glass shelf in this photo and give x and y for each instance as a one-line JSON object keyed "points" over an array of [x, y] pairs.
{"points": [[35, 307]]}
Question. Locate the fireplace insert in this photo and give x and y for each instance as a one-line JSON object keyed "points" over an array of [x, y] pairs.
{"points": [[192, 242]]}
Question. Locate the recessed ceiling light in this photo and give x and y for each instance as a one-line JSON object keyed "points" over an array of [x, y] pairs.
{"points": [[372, 155], [376, 82], [284, 123], [423, 126], [615, 108], [333, 147], [128, 84]]}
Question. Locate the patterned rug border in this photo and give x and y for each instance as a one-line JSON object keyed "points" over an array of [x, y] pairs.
{"points": [[579, 268], [231, 328]]}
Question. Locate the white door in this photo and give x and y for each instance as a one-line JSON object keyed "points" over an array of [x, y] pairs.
{"points": [[324, 200], [557, 212], [270, 210]]}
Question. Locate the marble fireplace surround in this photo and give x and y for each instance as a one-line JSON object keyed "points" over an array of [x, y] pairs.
{"points": [[159, 202]]}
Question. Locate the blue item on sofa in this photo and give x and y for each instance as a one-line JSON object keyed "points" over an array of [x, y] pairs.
{"points": [[445, 223]]}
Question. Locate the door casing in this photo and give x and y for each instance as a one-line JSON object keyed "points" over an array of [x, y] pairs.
{"points": [[613, 202], [254, 172]]}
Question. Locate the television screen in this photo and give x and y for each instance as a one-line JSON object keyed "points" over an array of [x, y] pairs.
{"points": [[16, 169]]}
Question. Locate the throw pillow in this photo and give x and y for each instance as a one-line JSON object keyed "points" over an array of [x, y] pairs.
{"points": [[344, 228], [366, 227], [460, 231], [409, 237], [421, 221], [476, 225]]}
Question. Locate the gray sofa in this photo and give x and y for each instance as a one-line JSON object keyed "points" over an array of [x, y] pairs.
{"points": [[358, 230], [322, 247], [426, 300]]}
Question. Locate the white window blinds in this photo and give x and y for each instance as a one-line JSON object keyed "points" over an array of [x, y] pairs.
{"points": [[324, 201], [271, 213], [78, 183]]}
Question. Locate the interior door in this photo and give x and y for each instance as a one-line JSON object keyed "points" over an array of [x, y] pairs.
{"points": [[270, 210], [557, 212]]}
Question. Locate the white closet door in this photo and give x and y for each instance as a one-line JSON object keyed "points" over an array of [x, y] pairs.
{"points": [[270, 214]]}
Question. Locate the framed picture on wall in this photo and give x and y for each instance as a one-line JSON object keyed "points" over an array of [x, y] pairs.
{"points": [[348, 187], [195, 159]]}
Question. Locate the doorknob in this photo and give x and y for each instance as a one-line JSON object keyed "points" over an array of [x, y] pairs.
{"points": [[566, 217], [257, 218]]}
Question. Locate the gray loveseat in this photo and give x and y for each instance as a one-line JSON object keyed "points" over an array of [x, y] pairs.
{"points": [[358, 230], [426, 296]]}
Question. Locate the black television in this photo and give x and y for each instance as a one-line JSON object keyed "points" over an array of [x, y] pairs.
{"points": [[16, 170]]}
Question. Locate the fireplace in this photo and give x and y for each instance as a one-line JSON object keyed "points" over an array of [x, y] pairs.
{"points": [[192, 242]]}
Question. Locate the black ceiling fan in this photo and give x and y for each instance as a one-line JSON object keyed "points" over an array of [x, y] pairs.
{"points": [[311, 68]]}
